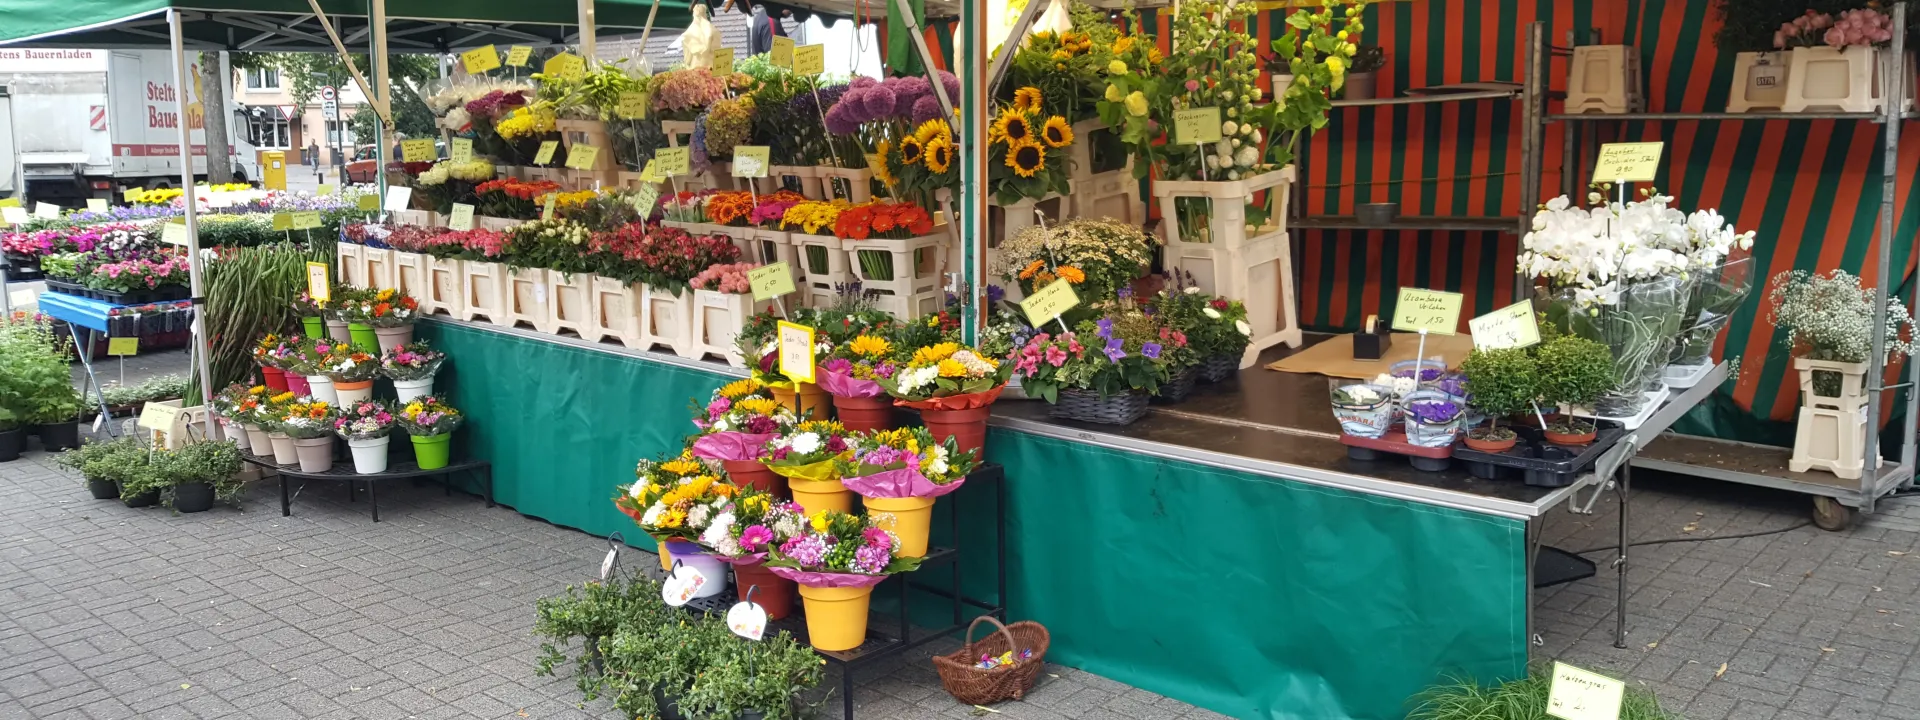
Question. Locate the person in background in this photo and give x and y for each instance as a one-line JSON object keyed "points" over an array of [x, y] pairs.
{"points": [[313, 156]]}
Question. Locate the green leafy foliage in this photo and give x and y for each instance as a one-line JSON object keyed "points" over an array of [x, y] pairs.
{"points": [[1502, 382], [1574, 370], [213, 463], [1523, 699], [36, 386], [164, 387]]}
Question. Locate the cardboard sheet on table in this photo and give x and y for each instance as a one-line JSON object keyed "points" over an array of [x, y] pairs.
{"points": [[1335, 356]]}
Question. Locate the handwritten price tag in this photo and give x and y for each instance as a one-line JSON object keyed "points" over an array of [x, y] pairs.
{"points": [[545, 155], [155, 416], [462, 217], [1434, 311], [15, 215], [420, 150], [546, 211], [304, 220], [1512, 326], [123, 346], [127, 196], [582, 157], [1197, 125], [633, 105], [770, 281], [1049, 302], [399, 198], [566, 66], [462, 150], [1580, 695], [750, 161], [480, 60], [319, 285], [796, 351], [1632, 162], [723, 61], [651, 173], [175, 234], [645, 199], [96, 205], [782, 52], [810, 60], [673, 162], [283, 221], [518, 54]]}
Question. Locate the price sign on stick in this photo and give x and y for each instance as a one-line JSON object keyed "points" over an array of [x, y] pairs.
{"points": [[15, 215], [582, 157], [283, 221], [545, 155], [673, 162], [123, 346], [368, 203], [566, 66], [1512, 326], [810, 60], [46, 211], [651, 173], [96, 205], [1580, 695], [645, 199], [723, 61], [304, 220], [1049, 302], [770, 281], [1631, 162], [323, 189], [127, 196], [319, 286], [173, 234], [633, 105], [750, 161], [462, 217], [155, 416], [462, 150], [546, 211], [1432, 311], [480, 60], [782, 52], [1197, 125], [606, 566], [796, 351], [420, 150], [518, 54], [399, 198]]}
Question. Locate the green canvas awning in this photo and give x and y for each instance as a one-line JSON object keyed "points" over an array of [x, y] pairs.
{"points": [[413, 26]]}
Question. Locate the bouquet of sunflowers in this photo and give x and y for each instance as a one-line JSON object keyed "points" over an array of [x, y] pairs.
{"points": [[739, 421], [1028, 151], [907, 462]]}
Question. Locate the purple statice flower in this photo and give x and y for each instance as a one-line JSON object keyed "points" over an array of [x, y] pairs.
{"points": [[806, 549], [1436, 412], [754, 536], [1151, 350], [1113, 350], [871, 560], [1106, 327], [876, 537]]}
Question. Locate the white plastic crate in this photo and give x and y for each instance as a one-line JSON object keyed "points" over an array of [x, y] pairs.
{"points": [[352, 265], [446, 287], [1114, 193], [410, 274], [617, 312], [1003, 223], [571, 298], [807, 176], [1854, 79], [1759, 82], [717, 319], [667, 322], [496, 224], [529, 300], [824, 264], [915, 288], [854, 185], [484, 292], [1253, 265], [379, 264], [1604, 79], [1831, 432], [416, 218]]}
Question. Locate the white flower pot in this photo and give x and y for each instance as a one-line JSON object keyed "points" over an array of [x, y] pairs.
{"points": [[1759, 82], [283, 449], [1604, 79], [484, 292], [323, 389], [393, 337], [445, 288], [369, 456], [316, 454], [528, 300], [237, 433], [617, 312], [258, 441], [709, 566], [409, 390], [914, 290], [348, 395], [570, 304]]}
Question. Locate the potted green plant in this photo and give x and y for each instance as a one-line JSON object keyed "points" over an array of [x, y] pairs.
{"points": [[55, 407], [766, 680], [430, 421], [13, 437], [589, 612], [1573, 371], [36, 386], [1501, 383], [202, 472], [141, 478], [98, 469], [1363, 71]]}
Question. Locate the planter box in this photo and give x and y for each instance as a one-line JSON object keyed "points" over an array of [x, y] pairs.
{"points": [[717, 319], [1003, 223], [914, 289], [379, 264], [667, 322], [351, 269], [1853, 79], [571, 297], [410, 274], [824, 268], [1604, 79], [417, 218], [1253, 266], [1759, 82], [496, 224], [617, 312], [806, 177], [529, 301], [1831, 432], [445, 291], [484, 292], [854, 185]]}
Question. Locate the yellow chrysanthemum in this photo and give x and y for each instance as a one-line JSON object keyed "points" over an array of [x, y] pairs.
{"points": [[819, 521], [1026, 158], [286, 396], [681, 467], [869, 346], [1012, 126], [739, 388], [911, 150], [1057, 133], [952, 368], [935, 353], [1027, 99], [758, 405], [939, 155]]}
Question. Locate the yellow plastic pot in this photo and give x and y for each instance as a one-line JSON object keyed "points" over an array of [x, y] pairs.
{"points": [[908, 518], [817, 495], [836, 617], [809, 402]]}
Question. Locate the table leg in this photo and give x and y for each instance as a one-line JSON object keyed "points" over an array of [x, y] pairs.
{"points": [[1625, 490], [846, 689], [84, 349], [286, 505], [352, 491], [373, 498]]}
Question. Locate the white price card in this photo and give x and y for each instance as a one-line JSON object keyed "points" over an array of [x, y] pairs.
{"points": [[1577, 694], [748, 620], [682, 585], [606, 566], [399, 198]]}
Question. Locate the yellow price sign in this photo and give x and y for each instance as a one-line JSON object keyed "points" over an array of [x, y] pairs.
{"points": [[651, 173], [1049, 302], [582, 157], [462, 150], [462, 217], [96, 205], [722, 60], [1577, 694], [319, 284], [323, 189], [307, 220], [796, 351], [420, 150], [15, 202], [644, 200], [545, 155], [369, 203], [1629, 162], [782, 52], [1431, 311], [546, 211], [480, 60], [128, 196], [566, 66], [810, 60], [1197, 125], [750, 161], [673, 162], [771, 281], [633, 105], [517, 55], [283, 221], [159, 417], [174, 234], [124, 346], [1512, 326]]}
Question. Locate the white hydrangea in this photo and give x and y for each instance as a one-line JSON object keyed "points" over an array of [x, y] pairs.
{"points": [[805, 443], [1248, 156], [652, 515]]}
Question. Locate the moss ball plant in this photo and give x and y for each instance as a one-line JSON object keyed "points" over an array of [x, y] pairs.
{"points": [[1574, 371], [1500, 382]]}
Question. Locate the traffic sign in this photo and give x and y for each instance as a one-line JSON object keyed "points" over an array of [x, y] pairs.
{"points": [[329, 104]]}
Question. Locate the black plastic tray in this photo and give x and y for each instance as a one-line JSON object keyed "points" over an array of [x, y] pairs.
{"points": [[1537, 462]]}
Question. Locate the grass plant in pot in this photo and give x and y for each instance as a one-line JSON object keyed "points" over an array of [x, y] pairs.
{"points": [[836, 583], [1500, 382], [954, 387], [430, 423], [899, 474], [202, 472], [367, 426], [411, 367], [735, 427], [309, 423], [740, 536], [1573, 371]]}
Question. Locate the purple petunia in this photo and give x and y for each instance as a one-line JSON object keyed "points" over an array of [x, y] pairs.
{"points": [[1434, 413]]}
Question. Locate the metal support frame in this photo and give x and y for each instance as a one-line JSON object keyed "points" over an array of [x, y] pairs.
{"points": [[196, 270], [85, 352]]}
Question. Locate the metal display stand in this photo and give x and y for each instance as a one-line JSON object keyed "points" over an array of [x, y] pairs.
{"points": [[396, 471]]}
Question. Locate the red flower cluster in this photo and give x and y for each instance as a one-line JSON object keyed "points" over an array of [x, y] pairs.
{"points": [[665, 257], [895, 220], [517, 189]]}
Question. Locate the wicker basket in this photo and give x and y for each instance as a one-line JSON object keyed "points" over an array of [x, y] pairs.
{"points": [[1218, 368], [1088, 406], [968, 683], [1177, 389]]}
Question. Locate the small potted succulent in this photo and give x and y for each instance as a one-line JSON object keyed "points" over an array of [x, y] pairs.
{"points": [[1573, 371], [1502, 382], [1432, 419], [1364, 410]]}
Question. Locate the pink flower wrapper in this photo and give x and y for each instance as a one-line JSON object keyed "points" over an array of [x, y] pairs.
{"points": [[902, 483], [844, 385], [827, 579], [743, 559], [732, 445]]}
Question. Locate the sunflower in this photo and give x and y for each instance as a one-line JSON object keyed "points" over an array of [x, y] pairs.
{"points": [[1026, 99], [939, 155], [878, 163], [1057, 132], [935, 128], [1026, 158], [870, 346], [1013, 127], [911, 150], [739, 388]]}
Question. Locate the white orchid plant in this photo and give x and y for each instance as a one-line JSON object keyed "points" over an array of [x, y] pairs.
{"points": [[1593, 250]]}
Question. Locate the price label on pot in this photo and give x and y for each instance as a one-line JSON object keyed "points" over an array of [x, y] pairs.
{"points": [[748, 620], [123, 346], [462, 151], [96, 205], [1433, 311], [283, 221], [301, 221], [462, 217], [750, 161], [1197, 125], [606, 566], [796, 351], [399, 198], [155, 416], [1049, 302], [682, 585], [770, 281], [1632, 162], [582, 157], [545, 155], [518, 54], [671, 162], [1577, 694], [481, 59], [782, 52], [1512, 326], [173, 234], [810, 60], [319, 286], [420, 150], [633, 105]]}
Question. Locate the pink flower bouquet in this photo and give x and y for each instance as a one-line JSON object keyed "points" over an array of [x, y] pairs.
{"points": [[839, 550]]}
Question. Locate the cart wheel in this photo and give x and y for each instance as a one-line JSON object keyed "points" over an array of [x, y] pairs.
{"points": [[1829, 514]]}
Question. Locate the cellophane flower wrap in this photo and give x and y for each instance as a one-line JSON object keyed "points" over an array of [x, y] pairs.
{"points": [[753, 523], [856, 367], [835, 549], [739, 421], [308, 418], [903, 463], [808, 451], [948, 376], [429, 416], [677, 499], [365, 420], [413, 361]]}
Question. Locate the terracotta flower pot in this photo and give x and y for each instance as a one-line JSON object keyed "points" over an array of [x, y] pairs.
{"points": [[350, 393], [1492, 445], [393, 337], [968, 428], [754, 474], [771, 592], [863, 414], [316, 454], [1585, 438]]}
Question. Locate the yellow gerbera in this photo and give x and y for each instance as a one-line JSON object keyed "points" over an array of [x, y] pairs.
{"points": [[935, 353], [681, 467], [739, 388], [1027, 99], [870, 347], [1057, 132], [1026, 158], [939, 155], [758, 406], [911, 150], [1012, 126], [952, 368]]}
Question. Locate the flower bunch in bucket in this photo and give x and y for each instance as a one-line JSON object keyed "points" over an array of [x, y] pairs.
{"points": [[837, 559], [652, 478], [852, 373], [430, 416], [952, 385], [365, 420], [905, 462], [754, 522], [739, 420], [277, 351], [682, 508], [307, 418]]}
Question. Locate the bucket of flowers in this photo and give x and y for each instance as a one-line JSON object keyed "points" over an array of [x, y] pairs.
{"points": [[741, 534], [235, 407], [735, 427], [679, 505], [430, 421], [271, 354], [898, 474], [312, 314], [1432, 419], [391, 314], [306, 374], [367, 425], [350, 370], [309, 423], [851, 374], [411, 367], [837, 559], [805, 457], [651, 479], [953, 386]]}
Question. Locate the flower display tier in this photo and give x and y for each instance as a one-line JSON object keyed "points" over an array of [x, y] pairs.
{"points": [[1210, 239]]}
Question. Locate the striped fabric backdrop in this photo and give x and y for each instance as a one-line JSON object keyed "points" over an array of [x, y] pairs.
{"points": [[1811, 189]]}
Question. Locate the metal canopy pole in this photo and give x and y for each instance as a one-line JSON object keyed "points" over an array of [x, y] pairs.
{"points": [[196, 274], [1894, 108]]}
